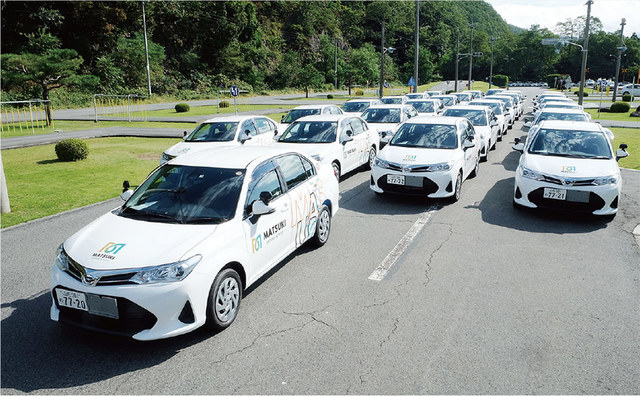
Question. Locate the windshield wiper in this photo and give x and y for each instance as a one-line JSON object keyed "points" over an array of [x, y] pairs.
{"points": [[214, 220]]}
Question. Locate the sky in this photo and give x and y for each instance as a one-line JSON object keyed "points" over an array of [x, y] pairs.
{"points": [[546, 13]]}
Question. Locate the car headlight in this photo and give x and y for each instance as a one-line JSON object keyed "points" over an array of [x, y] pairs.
{"points": [[444, 166], [173, 272], [62, 260], [603, 181], [381, 163], [529, 174]]}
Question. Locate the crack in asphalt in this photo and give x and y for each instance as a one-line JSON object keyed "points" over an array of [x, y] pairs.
{"points": [[433, 253], [385, 218], [313, 316]]}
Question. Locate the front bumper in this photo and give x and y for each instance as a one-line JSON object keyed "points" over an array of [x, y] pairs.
{"points": [[597, 200], [145, 312], [427, 184]]}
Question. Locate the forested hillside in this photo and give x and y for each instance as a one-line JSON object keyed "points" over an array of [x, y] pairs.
{"points": [[197, 46]]}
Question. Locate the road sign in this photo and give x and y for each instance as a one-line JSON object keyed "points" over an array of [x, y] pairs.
{"points": [[386, 84], [234, 91], [477, 54], [412, 82]]}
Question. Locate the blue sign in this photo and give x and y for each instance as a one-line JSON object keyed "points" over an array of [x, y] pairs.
{"points": [[386, 84], [234, 91], [412, 82]]}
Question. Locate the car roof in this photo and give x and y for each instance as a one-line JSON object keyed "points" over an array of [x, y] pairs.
{"points": [[468, 107], [561, 110], [441, 120], [570, 125], [361, 100], [325, 117], [389, 106], [231, 118], [431, 99], [393, 96], [229, 157], [486, 99], [312, 106]]}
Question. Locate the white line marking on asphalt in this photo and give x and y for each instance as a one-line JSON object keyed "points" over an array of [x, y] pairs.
{"points": [[402, 245]]}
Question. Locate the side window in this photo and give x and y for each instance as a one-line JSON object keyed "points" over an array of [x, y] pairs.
{"points": [[264, 126], [248, 126], [356, 124], [308, 168], [264, 178], [336, 110], [292, 169], [470, 130], [326, 110], [344, 127], [463, 132]]}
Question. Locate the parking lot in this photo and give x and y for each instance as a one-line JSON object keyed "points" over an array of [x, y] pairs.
{"points": [[408, 296]]}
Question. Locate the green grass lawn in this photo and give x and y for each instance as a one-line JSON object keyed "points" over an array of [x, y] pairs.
{"points": [[68, 126], [39, 185], [613, 116], [631, 137], [212, 110]]}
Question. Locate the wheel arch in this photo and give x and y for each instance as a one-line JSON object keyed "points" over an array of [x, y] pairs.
{"points": [[239, 268]]}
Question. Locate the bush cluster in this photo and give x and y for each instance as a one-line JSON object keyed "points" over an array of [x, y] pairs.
{"points": [[626, 98], [619, 107], [585, 93], [72, 150], [359, 92], [500, 80], [182, 108], [329, 96], [224, 103]]}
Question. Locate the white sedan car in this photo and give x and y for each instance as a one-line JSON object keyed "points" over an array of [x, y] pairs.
{"points": [[499, 110], [307, 110], [394, 99], [568, 166], [484, 122], [183, 248], [427, 106], [358, 106], [386, 118], [556, 114], [429, 157], [345, 142], [225, 132]]}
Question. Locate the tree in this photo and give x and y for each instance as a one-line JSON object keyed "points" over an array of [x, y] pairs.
{"points": [[363, 64]]}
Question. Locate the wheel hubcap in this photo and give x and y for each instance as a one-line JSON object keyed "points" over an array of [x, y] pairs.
{"points": [[458, 186], [372, 157], [227, 299], [323, 226]]}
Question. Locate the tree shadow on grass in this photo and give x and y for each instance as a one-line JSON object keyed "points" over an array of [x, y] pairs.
{"points": [[47, 162]]}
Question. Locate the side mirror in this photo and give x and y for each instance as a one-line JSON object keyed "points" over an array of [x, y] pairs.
{"points": [[346, 139], [493, 123], [247, 136], [259, 208], [184, 135], [621, 152], [349, 133], [468, 144], [126, 193], [282, 119], [518, 147]]}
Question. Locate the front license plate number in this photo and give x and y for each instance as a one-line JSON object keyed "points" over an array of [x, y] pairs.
{"points": [[72, 299], [395, 179], [555, 193]]}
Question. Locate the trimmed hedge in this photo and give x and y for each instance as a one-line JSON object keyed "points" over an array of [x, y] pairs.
{"points": [[359, 92], [182, 108], [619, 107], [224, 103], [626, 98], [585, 93], [500, 80], [72, 150], [329, 96]]}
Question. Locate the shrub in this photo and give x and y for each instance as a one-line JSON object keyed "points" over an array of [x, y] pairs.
{"points": [[449, 91], [224, 103], [619, 107], [329, 96], [359, 92], [555, 78], [626, 98], [585, 93], [182, 108], [500, 80], [72, 150]]}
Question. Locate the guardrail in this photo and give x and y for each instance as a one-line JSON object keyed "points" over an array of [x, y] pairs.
{"points": [[24, 115], [119, 107]]}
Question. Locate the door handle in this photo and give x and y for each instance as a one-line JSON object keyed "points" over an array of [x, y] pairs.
{"points": [[284, 208]]}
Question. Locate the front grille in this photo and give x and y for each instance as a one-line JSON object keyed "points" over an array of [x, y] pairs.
{"points": [[77, 271], [428, 187], [132, 318], [567, 182], [594, 203]]}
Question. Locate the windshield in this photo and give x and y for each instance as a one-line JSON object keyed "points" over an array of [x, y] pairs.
{"points": [[391, 100], [507, 101], [566, 143], [423, 107], [463, 96], [310, 132], [415, 96], [497, 109], [382, 115], [355, 107], [187, 195], [431, 136], [298, 113], [476, 117], [560, 106], [447, 100], [213, 132], [561, 117], [493, 91]]}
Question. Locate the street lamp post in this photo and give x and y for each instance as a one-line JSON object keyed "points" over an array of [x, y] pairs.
{"points": [[621, 48], [383, 51], [472, 26], [585, 49], [492, 40]]}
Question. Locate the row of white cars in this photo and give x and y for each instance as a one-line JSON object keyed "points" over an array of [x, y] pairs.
{"points": [[567, 161]]}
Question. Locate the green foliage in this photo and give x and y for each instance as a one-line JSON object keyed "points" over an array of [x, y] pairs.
{"points": [[500, 80], [620, 107], [359, 92], [223, 103], [552, 79], [627, 98], [71, 150], [182, 108], [329, 96], [584, 94]]}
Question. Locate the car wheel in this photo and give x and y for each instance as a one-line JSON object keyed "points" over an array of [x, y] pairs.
{"points": [[323, 227], [372, 157], [476, 169], [224, 299], [336, 170], [457, 188], [486, 156]]}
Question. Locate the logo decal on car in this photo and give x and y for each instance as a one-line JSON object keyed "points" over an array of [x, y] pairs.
{"points": [[109, 251], [569, 169], [410, 158]]}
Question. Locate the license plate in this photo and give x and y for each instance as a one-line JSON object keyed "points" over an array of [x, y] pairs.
{"points": [[555, 193], [395, 179], [72, 299]]}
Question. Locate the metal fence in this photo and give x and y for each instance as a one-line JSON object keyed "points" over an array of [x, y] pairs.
{"points": [[25, 116], [119, 108]]}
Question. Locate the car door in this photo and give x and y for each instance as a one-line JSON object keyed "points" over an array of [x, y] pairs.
{"points": [[268, 236], [248, 127], [349, 145], [362, 139], [470, 154], [266, 130]]}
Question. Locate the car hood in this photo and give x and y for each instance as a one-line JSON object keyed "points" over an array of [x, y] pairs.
{"points": [[571, 167], [192, 147], [116, 242], [310, 149], [413, 156], [383, 126]]}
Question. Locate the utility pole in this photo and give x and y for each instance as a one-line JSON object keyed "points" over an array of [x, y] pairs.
{"points": [[146, 47], [472, 26], [455, 86], [417, 41], [336, 65], [585, 49], [492, 40], [4, 195], [621, 48], [381, 62]]}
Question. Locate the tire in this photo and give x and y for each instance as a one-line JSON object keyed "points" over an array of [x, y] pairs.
{"points": [[486, 157], [372, 157], [474, 172], [224, 299], [457, 189], [323, 227], [336, 170]]}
